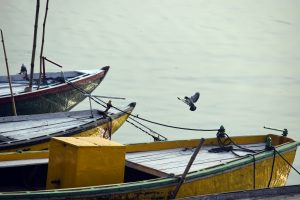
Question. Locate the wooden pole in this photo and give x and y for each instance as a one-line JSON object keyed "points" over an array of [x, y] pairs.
{"points": [[107, 97], [54, 63], [34, 43], [42, 64], [8, 77], [182, 178]]}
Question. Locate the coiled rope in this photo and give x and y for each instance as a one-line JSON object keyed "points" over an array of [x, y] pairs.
{"points": [[225, 144]]}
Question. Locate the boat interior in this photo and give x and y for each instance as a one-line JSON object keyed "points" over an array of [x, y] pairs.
{"points": [[142, 161], [20, 81], [25, 127]]}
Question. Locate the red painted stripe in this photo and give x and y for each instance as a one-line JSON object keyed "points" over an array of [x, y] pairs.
{"points": [[55, 89]]}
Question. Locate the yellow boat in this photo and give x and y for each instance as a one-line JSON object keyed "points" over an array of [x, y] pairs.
{"points": [[33, 132], [96, 168]]}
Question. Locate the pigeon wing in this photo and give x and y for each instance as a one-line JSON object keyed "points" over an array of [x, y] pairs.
{"points": [[195, 97]]}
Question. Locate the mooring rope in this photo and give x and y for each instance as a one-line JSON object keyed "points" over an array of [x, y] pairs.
{"points": [[243, 148], [273, 163], [224, 145], [152, 131], [155, 138], [95, 99], [287, 161], [254, 170]]}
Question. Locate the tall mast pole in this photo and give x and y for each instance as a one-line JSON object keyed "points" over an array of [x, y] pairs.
{"points": [[42, 63], [34, 43], [8, 77]]}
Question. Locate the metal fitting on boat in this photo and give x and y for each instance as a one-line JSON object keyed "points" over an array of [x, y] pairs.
{"points": [[221, 132], [269, 143]]}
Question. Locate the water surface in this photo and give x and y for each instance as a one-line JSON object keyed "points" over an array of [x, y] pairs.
{"points": [[242, 56]]}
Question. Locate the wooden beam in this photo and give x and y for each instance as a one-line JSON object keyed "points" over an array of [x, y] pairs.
{"points": [[182, 178], [145, 169]]}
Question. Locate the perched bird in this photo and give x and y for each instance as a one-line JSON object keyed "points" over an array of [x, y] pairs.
{"points": [[191, 100]]}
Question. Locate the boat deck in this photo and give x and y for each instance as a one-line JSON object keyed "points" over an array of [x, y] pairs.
{"points": [[17, 88], [28, 127], [19, 84], [174, 161], [163, 162]]}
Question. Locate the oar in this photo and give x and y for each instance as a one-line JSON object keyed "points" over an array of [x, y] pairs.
{"points": [[182, 178]]}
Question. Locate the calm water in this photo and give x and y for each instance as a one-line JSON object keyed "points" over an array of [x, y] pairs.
{"points": [[242, 56]]}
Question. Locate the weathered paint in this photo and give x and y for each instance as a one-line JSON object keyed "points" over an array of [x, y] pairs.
{"points": [[59, 98], [232, 176], [114, 125], [84, 161], [7, 156], [290, 192], [242, 178]]}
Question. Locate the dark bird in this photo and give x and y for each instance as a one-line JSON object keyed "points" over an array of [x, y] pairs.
{"points": [[191, 100]]}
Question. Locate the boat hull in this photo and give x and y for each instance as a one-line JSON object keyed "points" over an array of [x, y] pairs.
{"points": [[60, 98], [242, 174], [226, 180]]}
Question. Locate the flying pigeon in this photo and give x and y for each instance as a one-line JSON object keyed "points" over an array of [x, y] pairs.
{"points": [[191, 100]]}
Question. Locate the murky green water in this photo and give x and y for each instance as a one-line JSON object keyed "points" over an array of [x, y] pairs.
{"points": [[242, 56]]}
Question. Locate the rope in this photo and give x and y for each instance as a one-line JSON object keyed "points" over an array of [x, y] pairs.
{"points": [[287, 161], [170, 126], [96, 99], [245, 149], [254, 170], [232, 151], [159, 135], [109, 127], [274, 156], [136, 116], [154, 137], [224, 146]]}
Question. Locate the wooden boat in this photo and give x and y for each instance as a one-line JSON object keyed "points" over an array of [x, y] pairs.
{"points": [[59, 91], [33, 132], [146, 170]]}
